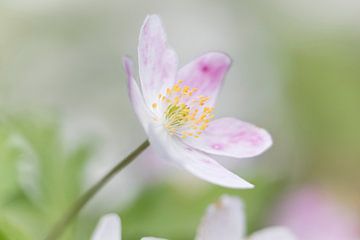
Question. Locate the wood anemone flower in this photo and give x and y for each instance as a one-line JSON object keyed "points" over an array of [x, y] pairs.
{"points": [[176, 108]]}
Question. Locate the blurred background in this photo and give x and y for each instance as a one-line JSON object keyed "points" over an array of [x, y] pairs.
{"points": [[65, 118]]}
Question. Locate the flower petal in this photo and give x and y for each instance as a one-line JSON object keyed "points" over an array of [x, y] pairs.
{"points": [[224, 219], [206, 73], [196, 162], [273, 233], [136, 98], [210, 170], [108, 228], [157, 62], [232, 137]]}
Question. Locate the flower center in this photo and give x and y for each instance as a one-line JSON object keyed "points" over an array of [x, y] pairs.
{"points": [[183, 113]]}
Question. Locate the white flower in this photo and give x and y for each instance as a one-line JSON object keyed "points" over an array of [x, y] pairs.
{"points": [[176, 107], [108, 228], [224, 220]]}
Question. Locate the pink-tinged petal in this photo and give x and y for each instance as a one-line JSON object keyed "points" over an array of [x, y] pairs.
{"points": [[108, 228], [232, 137], [273, 233], [206, 73], [136, 98], [196, 162], [224, 219], [157, 62]]}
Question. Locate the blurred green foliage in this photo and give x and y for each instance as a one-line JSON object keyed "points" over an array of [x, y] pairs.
{"points": [[39, 176]]}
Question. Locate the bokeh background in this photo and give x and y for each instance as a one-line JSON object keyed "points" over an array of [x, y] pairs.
{"points": [[65, 118]]}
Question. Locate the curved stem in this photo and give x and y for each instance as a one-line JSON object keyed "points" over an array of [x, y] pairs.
{"points": [[59, 227]]}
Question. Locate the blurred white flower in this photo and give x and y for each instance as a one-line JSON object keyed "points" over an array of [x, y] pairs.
{"points": [[109, 228], [223, 220]]}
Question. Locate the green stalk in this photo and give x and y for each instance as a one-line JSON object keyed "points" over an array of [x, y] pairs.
{"points": [[59, 227]]}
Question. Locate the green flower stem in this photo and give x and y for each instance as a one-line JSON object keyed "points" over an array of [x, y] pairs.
{"points": [[60, 226]]}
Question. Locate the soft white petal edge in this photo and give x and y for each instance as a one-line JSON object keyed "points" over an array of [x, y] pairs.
{"points": [[199, 164], [233, 138], [273, 233], [136, 98], [224, 219], [108, 228], [157, 61]]}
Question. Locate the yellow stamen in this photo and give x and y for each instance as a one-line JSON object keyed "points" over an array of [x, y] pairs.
{"points": [[183, 116]]}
